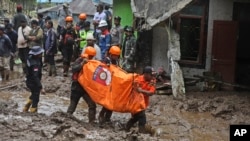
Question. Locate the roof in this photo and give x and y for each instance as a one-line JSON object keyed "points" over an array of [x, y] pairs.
{"points": [[80, 6], [77, 7], [54, 8], [156, 11]]}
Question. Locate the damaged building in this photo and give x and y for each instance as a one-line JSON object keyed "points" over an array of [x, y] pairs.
{"points": [[212, 35]]}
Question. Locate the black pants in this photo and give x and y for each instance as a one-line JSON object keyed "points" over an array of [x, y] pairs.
{"points": [[23, 55], [76, 93], [67, 54], [35, 96], [58, 30], [139, 117], [12, 63], [50, 59]]}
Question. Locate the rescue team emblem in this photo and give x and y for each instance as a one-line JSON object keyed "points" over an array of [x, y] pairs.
{"points": [[102, 75]]}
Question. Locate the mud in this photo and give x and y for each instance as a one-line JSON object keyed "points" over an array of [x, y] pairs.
{"points": [[201, 116]]}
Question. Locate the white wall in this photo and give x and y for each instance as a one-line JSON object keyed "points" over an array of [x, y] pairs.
{"points": [[160, 47]]}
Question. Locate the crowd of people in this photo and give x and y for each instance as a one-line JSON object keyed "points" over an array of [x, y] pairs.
{"points": [[77, 43]]}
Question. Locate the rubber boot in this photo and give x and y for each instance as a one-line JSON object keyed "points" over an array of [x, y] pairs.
{"points": [[53, 70], [24, 68], [65, 70], [92, 113], [72, 107], [50, 70], [101, 117], [27, 105], [129, 125], [108, 115], [147, 129], [33, 110]]}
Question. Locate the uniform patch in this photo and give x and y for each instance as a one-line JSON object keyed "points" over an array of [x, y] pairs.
{"points": [[35, 69], [102, 76]]}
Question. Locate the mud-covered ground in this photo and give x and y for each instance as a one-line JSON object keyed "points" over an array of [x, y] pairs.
{"points": [[203, 116]]}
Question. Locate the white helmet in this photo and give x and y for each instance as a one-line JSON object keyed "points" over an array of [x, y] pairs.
{"points": [[102, 23]]}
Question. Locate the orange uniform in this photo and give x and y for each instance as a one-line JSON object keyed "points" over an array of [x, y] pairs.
{"points": [[145, 85]]}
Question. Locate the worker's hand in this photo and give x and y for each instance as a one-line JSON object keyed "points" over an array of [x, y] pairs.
{"points": [[139, 90]]}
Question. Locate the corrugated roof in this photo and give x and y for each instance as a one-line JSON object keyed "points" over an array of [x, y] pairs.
{"points": [[156, 11]]}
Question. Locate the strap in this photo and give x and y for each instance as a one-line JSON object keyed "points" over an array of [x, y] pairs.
{"points": [[25, 38]]}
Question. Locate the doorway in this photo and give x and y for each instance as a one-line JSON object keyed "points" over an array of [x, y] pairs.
{"points": [[241, 14]]}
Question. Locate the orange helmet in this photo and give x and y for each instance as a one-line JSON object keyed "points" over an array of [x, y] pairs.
{"points": [[83, 16], [90, 51], [69, 19], [83, 55], [115, 50]]}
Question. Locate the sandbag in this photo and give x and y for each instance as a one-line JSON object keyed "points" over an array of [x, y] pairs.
{"points": [[111, 87]]}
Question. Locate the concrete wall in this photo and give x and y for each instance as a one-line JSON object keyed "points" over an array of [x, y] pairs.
{"points": [[160, 48]]}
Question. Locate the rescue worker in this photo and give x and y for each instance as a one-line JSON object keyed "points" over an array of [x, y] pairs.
{"points": [[40, 20], [13, 37], [108, 16], [81, 23], [35, 37], [19, 17], [117, 32], [33, 78], [23, 48], [91, 42], [63, 13], [5, 53], [83, 35], [112, 58], [99, 15], [129, 59], [51, 48], [45, 29], [145, 84], [67, 38], [6, 21], [76, 89], [104, 38]]}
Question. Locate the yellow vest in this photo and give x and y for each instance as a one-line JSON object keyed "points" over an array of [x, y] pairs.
{"points": [[83, 35]]}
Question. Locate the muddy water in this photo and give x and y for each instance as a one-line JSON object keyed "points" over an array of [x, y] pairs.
{"points": [[170, 123], [191, 120]]}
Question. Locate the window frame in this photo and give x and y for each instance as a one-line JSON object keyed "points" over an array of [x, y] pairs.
{"points": [[202, 40]]}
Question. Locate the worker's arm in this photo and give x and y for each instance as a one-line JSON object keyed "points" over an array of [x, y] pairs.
{"points": [[145, 92]]}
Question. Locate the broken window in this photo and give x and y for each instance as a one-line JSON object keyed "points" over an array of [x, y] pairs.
{"points": [[191, 24], [190, 34]]}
